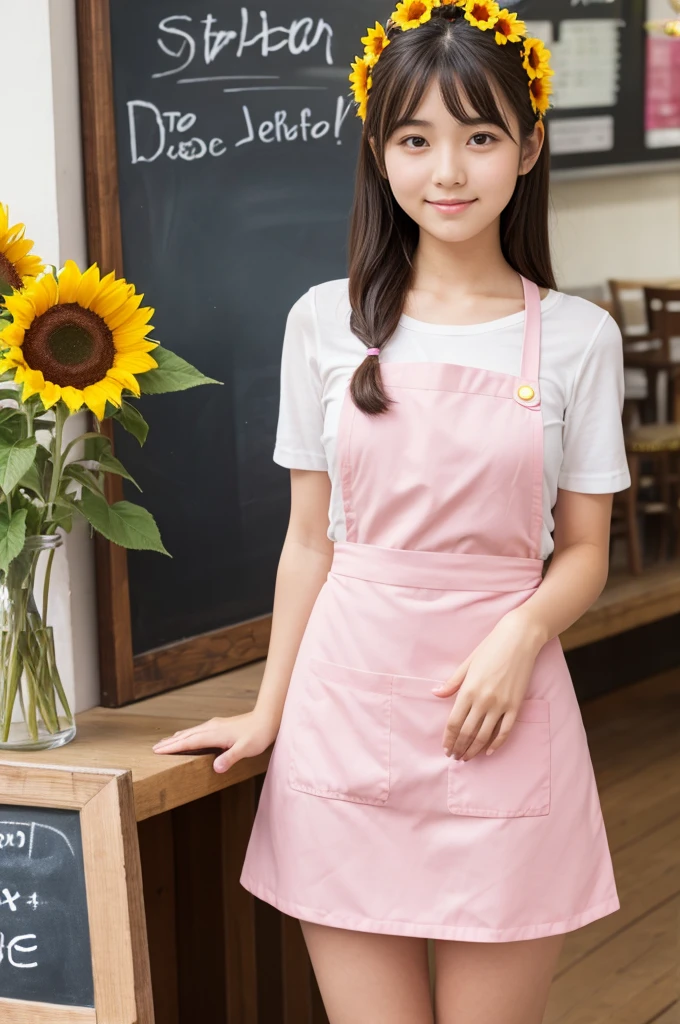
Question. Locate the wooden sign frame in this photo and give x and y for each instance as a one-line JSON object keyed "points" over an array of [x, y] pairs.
{"points": [[113, 884], [126, 677]]}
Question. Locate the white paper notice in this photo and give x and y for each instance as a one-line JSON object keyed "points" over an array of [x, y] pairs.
{"points": [[581, 134], [542, 30], [586, 58]]}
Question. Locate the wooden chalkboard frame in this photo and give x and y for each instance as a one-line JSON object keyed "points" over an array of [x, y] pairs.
{"points": [[124, 676], [113, 883]]}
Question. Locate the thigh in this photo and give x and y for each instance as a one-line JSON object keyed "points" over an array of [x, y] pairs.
{"points": [[367, 978], [488, 982]]}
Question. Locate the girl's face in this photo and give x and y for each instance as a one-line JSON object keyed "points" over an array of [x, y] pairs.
{"points": [[434, 159]]}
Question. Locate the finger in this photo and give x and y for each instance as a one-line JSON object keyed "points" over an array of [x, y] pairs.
{"points": [[483, 736], [451, 684], [223, 762], [459, 722], [182, 740], [467, 734], [505, 729]]}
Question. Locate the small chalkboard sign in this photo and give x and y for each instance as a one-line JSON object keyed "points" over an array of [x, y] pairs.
{"points": [[44, 930], [73, 945]]}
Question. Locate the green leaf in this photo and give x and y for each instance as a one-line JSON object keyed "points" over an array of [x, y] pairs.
{"points": [[5, 286], [128, 525], [132, 421], [62, 512], [172, 374], [12, 535], [95, 445], [74, 471], [15, 461], [32, 479], [10, 393], [90, 435], [110, 464]]}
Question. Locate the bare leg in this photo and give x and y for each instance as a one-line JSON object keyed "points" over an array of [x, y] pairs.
{"points": [[494, 982], [367, 978]]}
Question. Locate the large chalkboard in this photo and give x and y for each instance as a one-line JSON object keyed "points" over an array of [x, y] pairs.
{"points": [[44, 931], [236, 143]]}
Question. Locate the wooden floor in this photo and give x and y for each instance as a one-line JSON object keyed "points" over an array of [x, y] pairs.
{"points": [[625, 968]]}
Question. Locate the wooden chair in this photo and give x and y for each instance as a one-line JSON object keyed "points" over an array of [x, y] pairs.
{"points": [[652, 447]]}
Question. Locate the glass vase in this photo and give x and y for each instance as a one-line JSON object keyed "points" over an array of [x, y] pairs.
{"points": [[34, 711]]}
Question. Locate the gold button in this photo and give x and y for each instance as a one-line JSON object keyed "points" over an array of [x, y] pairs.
{"points": [[526, 393]]}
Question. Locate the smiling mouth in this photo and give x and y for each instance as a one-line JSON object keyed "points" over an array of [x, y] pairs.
{"points": [[450, 202]]}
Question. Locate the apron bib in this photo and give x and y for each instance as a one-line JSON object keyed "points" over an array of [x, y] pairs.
{"points": [[363, 822]]}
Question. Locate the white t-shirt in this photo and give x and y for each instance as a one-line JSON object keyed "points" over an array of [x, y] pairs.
{"points": [[581, 378]]}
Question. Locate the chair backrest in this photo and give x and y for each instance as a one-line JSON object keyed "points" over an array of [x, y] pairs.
{"points": [[628, 301], [629, 306], [662, 308]]}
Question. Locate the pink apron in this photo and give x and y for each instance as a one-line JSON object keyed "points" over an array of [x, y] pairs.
{"points": [[363, 821]]}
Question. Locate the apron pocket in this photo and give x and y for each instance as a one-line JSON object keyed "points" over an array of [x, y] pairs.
{"points": [[515, 781], [340, 745]]}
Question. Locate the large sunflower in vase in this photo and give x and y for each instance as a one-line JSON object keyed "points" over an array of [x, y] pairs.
{"points": [[68, 340]]}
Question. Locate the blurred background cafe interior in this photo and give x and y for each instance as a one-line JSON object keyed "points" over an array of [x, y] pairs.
{"points": [[146, 644]]}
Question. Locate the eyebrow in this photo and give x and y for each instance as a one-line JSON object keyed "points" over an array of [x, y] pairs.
{"points": [[418, 123]]}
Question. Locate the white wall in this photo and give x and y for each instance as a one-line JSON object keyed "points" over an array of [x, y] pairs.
{"points": [[617, 226], [41, 180]]}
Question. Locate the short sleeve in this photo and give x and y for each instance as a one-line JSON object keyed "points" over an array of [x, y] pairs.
{"points": [[300, 425], [594, 454]]}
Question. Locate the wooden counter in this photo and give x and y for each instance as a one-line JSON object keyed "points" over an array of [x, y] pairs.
{"points": [[124, 737]]}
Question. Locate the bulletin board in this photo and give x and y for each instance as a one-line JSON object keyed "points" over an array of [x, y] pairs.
{"points": [[616, 99]]}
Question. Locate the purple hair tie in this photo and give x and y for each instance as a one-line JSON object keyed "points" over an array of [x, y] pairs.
{"points": [[373, 352]]}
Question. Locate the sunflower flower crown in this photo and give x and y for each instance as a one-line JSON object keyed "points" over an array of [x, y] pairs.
{"points": [[486, 15]]}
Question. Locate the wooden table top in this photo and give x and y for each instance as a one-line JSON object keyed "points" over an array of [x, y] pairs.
{"points": [[124, 737]]}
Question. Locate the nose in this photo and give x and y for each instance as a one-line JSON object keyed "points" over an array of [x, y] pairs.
{"points": [[449, 168]]}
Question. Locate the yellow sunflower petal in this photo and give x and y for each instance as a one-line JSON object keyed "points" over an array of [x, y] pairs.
{"points": [[43, 294], [73, 398], [15, 250], [29, 266], [137, 321], [125, 379], [13, 357], [12, 335], [69, 279], [50, 394], [96, 395], [135, 362], [483, 14], [412, 13], [33, 382], [21, 308], [121, 315], [4, 218], [133, 343], [109, 298], [87, 288], [95, 399]]}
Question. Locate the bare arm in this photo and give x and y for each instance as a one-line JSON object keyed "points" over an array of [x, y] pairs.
{"points": [[578, 570], [303, 567], [305, 559]]}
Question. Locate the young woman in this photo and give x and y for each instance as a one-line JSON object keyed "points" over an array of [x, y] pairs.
{"points": [[450, 420]]}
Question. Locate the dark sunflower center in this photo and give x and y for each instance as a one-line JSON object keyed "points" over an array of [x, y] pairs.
{"points": [[9, 272], [72, 346]]}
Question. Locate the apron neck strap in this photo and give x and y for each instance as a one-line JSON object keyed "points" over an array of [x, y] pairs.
{"points": [[531, 347]]}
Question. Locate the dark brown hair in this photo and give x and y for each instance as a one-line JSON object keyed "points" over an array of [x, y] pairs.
{"points": [[382, 237]]}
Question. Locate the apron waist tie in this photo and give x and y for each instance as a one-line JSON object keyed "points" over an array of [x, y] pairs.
{"points": [[436, 570]]}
